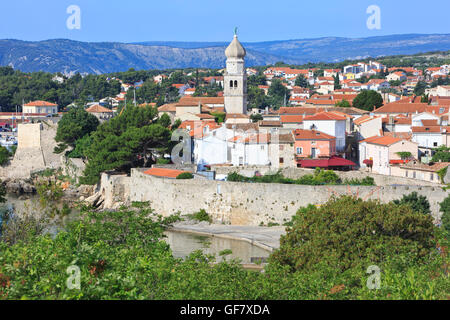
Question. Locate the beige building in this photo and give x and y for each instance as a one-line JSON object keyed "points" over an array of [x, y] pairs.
{"points": [[420, 171], [40, 107], [100, 112], [281, 150]]}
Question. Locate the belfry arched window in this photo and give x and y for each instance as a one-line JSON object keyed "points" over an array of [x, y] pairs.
{"points": [[231, 83], [235, 83]]}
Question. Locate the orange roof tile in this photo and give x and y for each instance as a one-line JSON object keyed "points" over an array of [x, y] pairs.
{"points": [[96, 108], [40, 104], [325, 116], [301, 134], [164, 173]]}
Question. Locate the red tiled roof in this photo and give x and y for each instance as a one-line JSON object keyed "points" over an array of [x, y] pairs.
{"points": [[194, 101], [40, 104], [382, 140], [164, 173], [325, 116], [301, 134], [396, 107], [96, 108], [432, 129], [291, 119]]}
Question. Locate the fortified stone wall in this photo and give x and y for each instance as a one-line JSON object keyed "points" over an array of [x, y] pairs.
{"points": [[243, 203], [35, 145], [295, 173]]}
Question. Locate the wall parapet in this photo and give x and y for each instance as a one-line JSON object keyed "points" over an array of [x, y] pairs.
{"points": [[243, 203]]}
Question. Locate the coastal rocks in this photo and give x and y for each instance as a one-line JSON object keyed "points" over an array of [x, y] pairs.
{"points": [[19, 187]]}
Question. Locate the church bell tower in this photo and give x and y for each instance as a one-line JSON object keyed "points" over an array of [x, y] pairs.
{"points": [[235, 78]]}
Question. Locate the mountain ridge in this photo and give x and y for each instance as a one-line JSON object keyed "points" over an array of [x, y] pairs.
{"points": [[70, 56]]}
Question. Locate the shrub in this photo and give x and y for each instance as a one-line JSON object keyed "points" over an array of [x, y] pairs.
{"points": [[202, 215], [4, 155], [348, 232], [417, 203], [185, 176], [367, 181], [445, 219]]}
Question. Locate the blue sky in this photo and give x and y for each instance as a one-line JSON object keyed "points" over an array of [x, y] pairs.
{"points": [[214, 20]]}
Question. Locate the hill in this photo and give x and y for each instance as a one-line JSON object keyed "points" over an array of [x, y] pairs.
{"points": [[69, 56]]}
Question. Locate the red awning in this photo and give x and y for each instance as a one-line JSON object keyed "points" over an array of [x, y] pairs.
{"points": [[326, 163], [398, 161]]}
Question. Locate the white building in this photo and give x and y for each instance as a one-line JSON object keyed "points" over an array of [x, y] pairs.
{"points": [[329, 123]]}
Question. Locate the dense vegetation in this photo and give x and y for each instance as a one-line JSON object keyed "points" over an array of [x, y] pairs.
{"points": [[368, 100], [121, 256], [17, 87], [133, 139], [319, 177]]}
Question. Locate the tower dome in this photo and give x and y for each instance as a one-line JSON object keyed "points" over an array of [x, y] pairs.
{"points": [[235, 49]]}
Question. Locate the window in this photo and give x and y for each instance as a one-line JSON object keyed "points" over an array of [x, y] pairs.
{"points": [[231, 83], [431, 176], [281, 160], [406, 173], [299, 150], [435, 144], [235, 83], [262, 147], [414, 174]]}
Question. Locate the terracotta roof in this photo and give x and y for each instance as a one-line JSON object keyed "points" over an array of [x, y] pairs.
{"points": [[432, 129], [325, 116], [194, 101], [96, 108], [291, 119], [382, 140], [426, 167], [363, 119], [40, 104], [169, 107], [164, 173], [270, 123], [400, 135], [396, 107], [236, 116], [429, 122], [301, 134]]}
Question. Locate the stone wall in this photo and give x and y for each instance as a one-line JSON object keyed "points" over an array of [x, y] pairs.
{"points": [[242, 203], [295, 173], [35, 146]]}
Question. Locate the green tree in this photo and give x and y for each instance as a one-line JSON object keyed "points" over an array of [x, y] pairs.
{"points": [[441, 154], [301, 81], [4, 155], [445, 219], [130, 140], [74, 125], [165, 121], [256, 117], [347, 233], [420, 87], [367, 100], [278, 93], [343, 104], [416, 202]]}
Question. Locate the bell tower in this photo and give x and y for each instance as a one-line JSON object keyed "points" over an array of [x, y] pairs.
{"points": [[235, 78]]}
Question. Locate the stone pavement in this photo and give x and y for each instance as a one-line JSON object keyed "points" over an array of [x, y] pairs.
{"points": [[264, 237]]}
